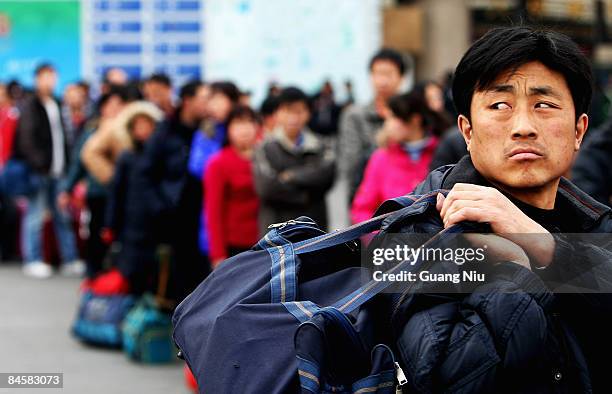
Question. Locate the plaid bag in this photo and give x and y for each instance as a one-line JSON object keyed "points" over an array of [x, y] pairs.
{"points": [[99, 318]]}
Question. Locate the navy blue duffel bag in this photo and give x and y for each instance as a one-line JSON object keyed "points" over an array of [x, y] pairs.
{"points": [[259, 323]]}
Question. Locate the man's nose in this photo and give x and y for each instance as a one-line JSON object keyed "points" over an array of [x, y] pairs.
{"points": [[523, 127]]}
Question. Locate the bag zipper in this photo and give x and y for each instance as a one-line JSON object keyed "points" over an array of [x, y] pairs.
{"points": [[288, 222], [401, 378]]}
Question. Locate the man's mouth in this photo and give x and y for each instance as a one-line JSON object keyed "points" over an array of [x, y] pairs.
{"points": [[519, 154]]}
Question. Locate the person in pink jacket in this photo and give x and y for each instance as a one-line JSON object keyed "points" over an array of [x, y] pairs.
{"points": [[402, 160]]}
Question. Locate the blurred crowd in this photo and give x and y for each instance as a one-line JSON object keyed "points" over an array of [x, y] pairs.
{"points": [[98, 184]]}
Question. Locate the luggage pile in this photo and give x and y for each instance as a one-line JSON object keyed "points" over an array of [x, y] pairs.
{"points": [[109, 316]]}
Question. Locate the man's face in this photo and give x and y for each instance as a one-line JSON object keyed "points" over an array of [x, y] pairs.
{"points": [[158, 93], [116, 76], [292, 117], [523, 133], [46, 81], [386, 78], [198, 104], [220, 106], [142, 128], [74, 96], [434, 97]]}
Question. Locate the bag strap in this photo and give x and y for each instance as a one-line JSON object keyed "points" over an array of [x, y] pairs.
{"points": [[283, 274], [366, 292], [305, 310], [355, 231], [283, 282]]}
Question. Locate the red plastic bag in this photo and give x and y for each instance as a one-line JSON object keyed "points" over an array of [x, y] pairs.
{"points": [[190, 379], [109, 283]]}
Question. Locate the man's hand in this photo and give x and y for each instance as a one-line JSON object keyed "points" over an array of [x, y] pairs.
{"points": [[467, 202]]}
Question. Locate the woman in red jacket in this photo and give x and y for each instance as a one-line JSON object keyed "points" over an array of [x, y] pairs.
{"points": [[231, 204]]}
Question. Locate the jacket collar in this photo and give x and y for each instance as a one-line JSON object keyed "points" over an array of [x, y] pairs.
{"points": [[371, 113], [585, 209], [309, 143]]}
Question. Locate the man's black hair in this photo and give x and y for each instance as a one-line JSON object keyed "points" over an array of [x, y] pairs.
{"points": [[269, 106], [291, 94], [161, 78], [390, 55], [228, 89], [114, 91], [133, 90], [14, 89], [46, 66], [190, 89], [508, 48], [242, 112], [84, 85], [405, 105]]}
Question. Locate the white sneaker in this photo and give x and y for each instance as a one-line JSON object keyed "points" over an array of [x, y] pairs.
{"points": [[74, 268], [37, 269]]}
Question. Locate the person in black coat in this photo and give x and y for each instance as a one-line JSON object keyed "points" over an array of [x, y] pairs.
{"points": [[592, 171], [522, 96], [127, 218], [450, 149], [41, 143], [174, 195]]}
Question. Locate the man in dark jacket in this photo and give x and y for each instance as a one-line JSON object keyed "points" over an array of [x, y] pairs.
{"points": [[450, 149], [522, 96], [41, 144], [592, 169], [294, 168], [360, 123], [174, 195]]}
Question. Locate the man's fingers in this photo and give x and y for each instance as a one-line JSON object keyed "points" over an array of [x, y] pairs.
{"points": [[459, 204], [472, 214], [456, 196], [440, 201], [459, 195], [467, 187]]}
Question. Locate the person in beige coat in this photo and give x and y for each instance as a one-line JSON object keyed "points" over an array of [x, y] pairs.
{"points": [[100, 153]]}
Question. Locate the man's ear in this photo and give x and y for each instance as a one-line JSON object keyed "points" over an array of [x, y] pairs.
{"points": [[466, 129], [581, 128]]}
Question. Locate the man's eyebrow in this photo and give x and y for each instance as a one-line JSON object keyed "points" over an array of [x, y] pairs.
{"points": [[543, 91], [501, 89]]}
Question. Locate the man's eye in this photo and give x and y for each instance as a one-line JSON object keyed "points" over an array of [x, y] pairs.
{"points": [[544, 105], [500, 106]]}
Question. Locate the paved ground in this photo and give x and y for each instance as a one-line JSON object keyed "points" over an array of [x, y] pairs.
{"points": [[35, 317]]}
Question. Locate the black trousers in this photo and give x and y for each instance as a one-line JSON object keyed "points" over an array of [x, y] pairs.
{"points": [[96, 249]]}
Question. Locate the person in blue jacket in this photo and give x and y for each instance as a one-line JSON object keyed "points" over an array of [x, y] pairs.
{"points": [[211, 138]]}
